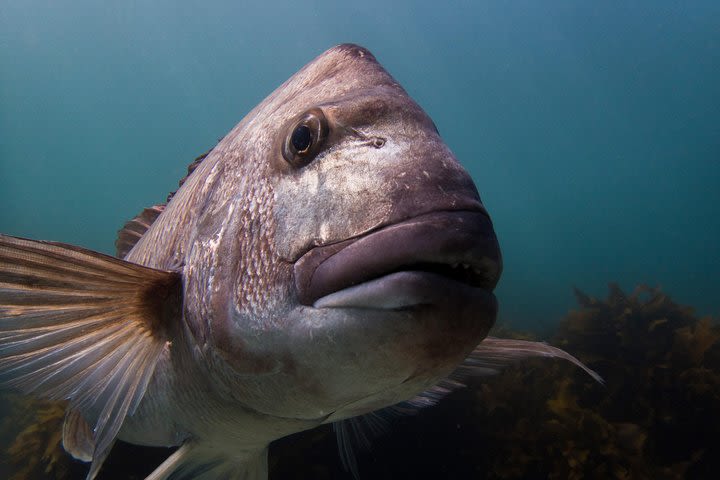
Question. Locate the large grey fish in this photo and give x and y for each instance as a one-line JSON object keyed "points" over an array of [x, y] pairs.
{"points": [[327, 259]]}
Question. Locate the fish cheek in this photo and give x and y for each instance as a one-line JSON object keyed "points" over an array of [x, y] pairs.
{"points": [[337, 197], [232, 347], [232, 277]]}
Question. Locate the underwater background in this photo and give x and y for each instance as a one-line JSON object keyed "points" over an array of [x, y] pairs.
{"points": [[592, 130]]}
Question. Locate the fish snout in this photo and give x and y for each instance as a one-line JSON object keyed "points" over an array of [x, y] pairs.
{"points": [[406, 263]]}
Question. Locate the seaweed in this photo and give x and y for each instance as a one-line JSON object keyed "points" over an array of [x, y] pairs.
{"points": [[36, 451], [655, 418], [662, 366]]}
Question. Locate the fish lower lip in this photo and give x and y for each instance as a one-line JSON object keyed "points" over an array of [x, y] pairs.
{"points": [[456, 246], [402, 290]]}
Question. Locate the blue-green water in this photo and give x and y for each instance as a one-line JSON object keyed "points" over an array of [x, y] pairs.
{"points": [[591, 128]]}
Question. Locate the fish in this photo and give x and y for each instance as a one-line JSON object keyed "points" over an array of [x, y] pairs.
{"points": [[327, 261]]}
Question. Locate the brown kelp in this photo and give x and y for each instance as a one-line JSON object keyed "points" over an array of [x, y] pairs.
{"points": [[36, 450]]}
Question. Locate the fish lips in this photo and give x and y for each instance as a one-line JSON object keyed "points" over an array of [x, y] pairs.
{"points": [[438, 258]]}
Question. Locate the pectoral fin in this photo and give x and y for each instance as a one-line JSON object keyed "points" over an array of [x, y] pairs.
{"points": [[85, 327], [488, 358], [495, 354], [78, 436], [196, 461]]}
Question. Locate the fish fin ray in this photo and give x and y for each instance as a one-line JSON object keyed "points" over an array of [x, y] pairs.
{"points": [[190, 169], [134, 229], [85, 327], [489, 358], [194, 461], [358, 433], [131, 233], [77, 436], [494, 354]]}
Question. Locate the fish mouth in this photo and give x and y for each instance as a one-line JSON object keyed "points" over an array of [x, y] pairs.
{"points": [[434, 258]]}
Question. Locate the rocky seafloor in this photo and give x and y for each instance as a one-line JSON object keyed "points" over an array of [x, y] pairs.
{"points": [[657, 416]]}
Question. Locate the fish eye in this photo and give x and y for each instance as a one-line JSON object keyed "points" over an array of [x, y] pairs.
{"points": [[301, 138], [305, 138]]}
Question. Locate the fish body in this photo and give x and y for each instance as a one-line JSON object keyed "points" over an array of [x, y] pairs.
{"points": [[327, 259]]}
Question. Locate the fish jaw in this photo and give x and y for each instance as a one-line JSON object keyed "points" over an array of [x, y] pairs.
{"points": [[379, 317], [409, 263], [403, 306], [328, 358]]}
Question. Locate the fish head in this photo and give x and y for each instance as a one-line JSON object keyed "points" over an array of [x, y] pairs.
{"points": [[343, 260]]}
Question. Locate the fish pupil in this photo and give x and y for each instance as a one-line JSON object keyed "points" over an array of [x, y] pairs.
{"points": [[301, 138]]}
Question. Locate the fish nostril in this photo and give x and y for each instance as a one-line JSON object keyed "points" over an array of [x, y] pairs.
{"points": [[378, 142]]}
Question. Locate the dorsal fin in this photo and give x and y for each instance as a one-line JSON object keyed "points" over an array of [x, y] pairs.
{"points": [[133, 230], [191, 168]]}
